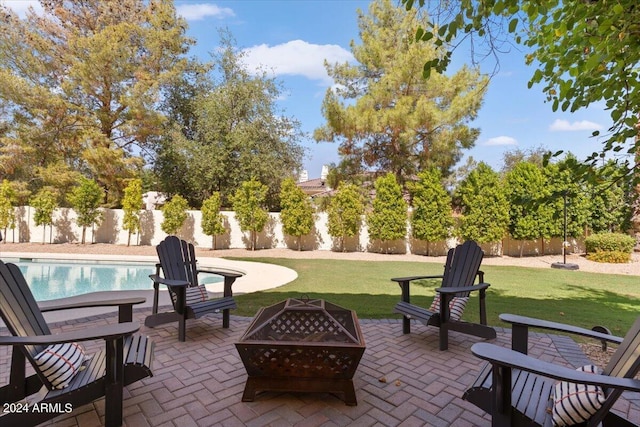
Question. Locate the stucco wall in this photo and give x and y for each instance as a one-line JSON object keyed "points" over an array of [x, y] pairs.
{"points": [[110, 231]]}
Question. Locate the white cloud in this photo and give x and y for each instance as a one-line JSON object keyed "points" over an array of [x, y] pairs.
{"points": [[200, 11], [564, 126], [501, 140], [296, 57], [20, 7]]}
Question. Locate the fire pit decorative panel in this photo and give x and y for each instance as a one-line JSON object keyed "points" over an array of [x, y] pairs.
{"points": [[302, 345]]}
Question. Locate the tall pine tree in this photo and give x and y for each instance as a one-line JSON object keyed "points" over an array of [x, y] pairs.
{"points": [[384, 114], [82, 82]]}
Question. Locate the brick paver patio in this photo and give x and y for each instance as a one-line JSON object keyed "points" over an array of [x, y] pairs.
{"points": [[403, 380]]}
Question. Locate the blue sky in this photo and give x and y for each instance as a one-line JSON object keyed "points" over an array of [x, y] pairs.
{"points": [[294, 37]]}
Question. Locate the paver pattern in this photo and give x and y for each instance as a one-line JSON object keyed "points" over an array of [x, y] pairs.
{"points": [[402, 380]]}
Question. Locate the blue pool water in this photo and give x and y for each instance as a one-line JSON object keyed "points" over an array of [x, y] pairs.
{"points": [[59, 279]]}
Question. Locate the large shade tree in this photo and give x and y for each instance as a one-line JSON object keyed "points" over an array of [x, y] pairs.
{"points": [[230, 131], [384, 115], [80, 84]]}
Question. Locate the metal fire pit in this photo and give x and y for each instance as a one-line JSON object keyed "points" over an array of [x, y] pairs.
{"points": [[302, 345]]}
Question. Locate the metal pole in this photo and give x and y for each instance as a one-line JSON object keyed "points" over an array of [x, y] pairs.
{"points": [[564, 242], [564, 264]]}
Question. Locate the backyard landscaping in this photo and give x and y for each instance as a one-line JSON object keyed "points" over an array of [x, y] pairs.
{"points": [[575, 297]]}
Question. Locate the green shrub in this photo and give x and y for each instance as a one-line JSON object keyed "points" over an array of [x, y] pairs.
{"points": [[615, 257], [609, 242]]}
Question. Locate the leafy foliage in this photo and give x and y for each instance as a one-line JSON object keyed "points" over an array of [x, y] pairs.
{"points": [[226, 129], [7, 212], [585, 52], [609, 242], [614, 257], [431, 218], [131, 206], [611, 200], [484, 206], [345, 212], [387, 118], [297, 213], [85, 200], [174, 213], [212, 220], [249, 206], [566, 184], [44, 203], [80, 84], [527, 193], [388, 219]]}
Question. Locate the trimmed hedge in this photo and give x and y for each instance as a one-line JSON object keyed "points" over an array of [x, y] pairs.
{"points": [[609, 247], [613, 257]]}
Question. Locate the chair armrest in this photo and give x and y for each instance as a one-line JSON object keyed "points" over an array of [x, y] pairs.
{"points": [[168, 282], [411, 278], [125, 306], [54, 305], [107, 332], [500, 356], [455, 290], [529, 322], [404, 282], [225, 272]]}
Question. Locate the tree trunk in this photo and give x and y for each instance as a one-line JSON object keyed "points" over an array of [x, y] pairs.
{"points": [[84, 232]]}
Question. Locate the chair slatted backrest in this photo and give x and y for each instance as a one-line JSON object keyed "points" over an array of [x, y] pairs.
{"points": [[177, 258], [178, 261], [624, 363], [20, 311], [462, 266]]}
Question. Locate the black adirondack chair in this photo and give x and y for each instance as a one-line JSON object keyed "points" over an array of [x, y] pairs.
{"points": [[516, 389], [460, 271], [179, 271], [126, 358]]}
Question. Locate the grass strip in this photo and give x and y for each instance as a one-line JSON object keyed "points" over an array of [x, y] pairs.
{"points": [[573, 297]]}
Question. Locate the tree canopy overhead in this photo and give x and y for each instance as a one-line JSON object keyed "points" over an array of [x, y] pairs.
{"points": [[383, 114], [584, 52], [80, 85]]}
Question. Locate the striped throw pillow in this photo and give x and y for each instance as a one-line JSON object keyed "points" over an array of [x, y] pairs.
{"points": [[456, 306], [194, 294], [59, 363], [575, 403]]}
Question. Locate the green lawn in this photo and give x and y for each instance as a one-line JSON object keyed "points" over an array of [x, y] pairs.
{"points": [[574, 297]]}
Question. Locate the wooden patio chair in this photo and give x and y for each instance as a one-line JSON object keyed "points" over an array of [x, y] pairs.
{"points": [[519, 390], [190, 300], [460, 271], [54, 388]]}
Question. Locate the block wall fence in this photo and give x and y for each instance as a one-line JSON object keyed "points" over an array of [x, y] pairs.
{"points": [[110, 230]]}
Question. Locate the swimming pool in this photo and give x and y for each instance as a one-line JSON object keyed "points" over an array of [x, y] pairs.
{"points": [[49, 279]]}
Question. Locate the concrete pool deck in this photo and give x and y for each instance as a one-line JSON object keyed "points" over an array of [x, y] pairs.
{"points": [[257, 277]]}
